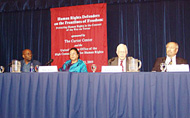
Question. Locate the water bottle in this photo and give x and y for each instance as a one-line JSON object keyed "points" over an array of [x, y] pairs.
{"points": [[31, 67]]}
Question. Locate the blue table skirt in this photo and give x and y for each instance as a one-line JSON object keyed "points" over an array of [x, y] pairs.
{"points": [[95, 95]]}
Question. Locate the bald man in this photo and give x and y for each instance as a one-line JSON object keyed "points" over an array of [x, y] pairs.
{"points": [[170, 59], [26, 63], [121, 59]]}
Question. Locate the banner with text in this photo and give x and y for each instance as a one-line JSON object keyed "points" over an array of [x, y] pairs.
{"points": [[83, 27]]}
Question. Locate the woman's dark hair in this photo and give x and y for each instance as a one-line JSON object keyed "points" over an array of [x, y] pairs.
{"points": [[76, 51]]}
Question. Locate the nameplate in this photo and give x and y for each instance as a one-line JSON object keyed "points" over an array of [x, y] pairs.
{"points": [[111, 69], [47, 69], [178, 68]]}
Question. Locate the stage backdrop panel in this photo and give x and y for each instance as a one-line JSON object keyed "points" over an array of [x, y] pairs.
{"points": [[83, 27]]}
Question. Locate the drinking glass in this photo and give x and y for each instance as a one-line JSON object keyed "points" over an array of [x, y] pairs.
{"points": [[162, 67], [2, 69], [93, 68], [36, 68]]}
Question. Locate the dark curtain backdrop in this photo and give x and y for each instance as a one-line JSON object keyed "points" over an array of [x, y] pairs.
{"points": [[145, 26]]}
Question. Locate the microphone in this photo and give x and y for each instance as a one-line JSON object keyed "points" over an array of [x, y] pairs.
{"points": [[9, 65], [49, 62]]}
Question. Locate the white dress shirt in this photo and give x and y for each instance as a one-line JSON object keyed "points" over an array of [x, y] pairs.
{"points": [[124, 64], [168, 60]]}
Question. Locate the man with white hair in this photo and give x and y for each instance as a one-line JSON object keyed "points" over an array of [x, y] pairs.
{"points": [[122, 58], [170, 59]]}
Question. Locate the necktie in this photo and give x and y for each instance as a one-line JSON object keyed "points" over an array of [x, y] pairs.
{"points": [[170, 62], [121, 64]]}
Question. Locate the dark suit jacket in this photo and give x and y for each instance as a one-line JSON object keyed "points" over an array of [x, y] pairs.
{"points": [[163, 59], [35, 62], [114, 62]]}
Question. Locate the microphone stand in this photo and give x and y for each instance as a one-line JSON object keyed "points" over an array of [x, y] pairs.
{"points": [[10, 64], [49, 62]]}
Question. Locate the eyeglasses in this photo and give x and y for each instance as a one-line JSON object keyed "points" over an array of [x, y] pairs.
{"points": [[122, 51], [73, 54], [27, 53], [171, 47]]}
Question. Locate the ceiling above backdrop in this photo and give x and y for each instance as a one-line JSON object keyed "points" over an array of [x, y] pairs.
{"points": [[20, 5]]}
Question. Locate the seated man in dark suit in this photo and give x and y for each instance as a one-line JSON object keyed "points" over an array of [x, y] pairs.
{"points": [[27, 62], [122, 58], [170, 59]]}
